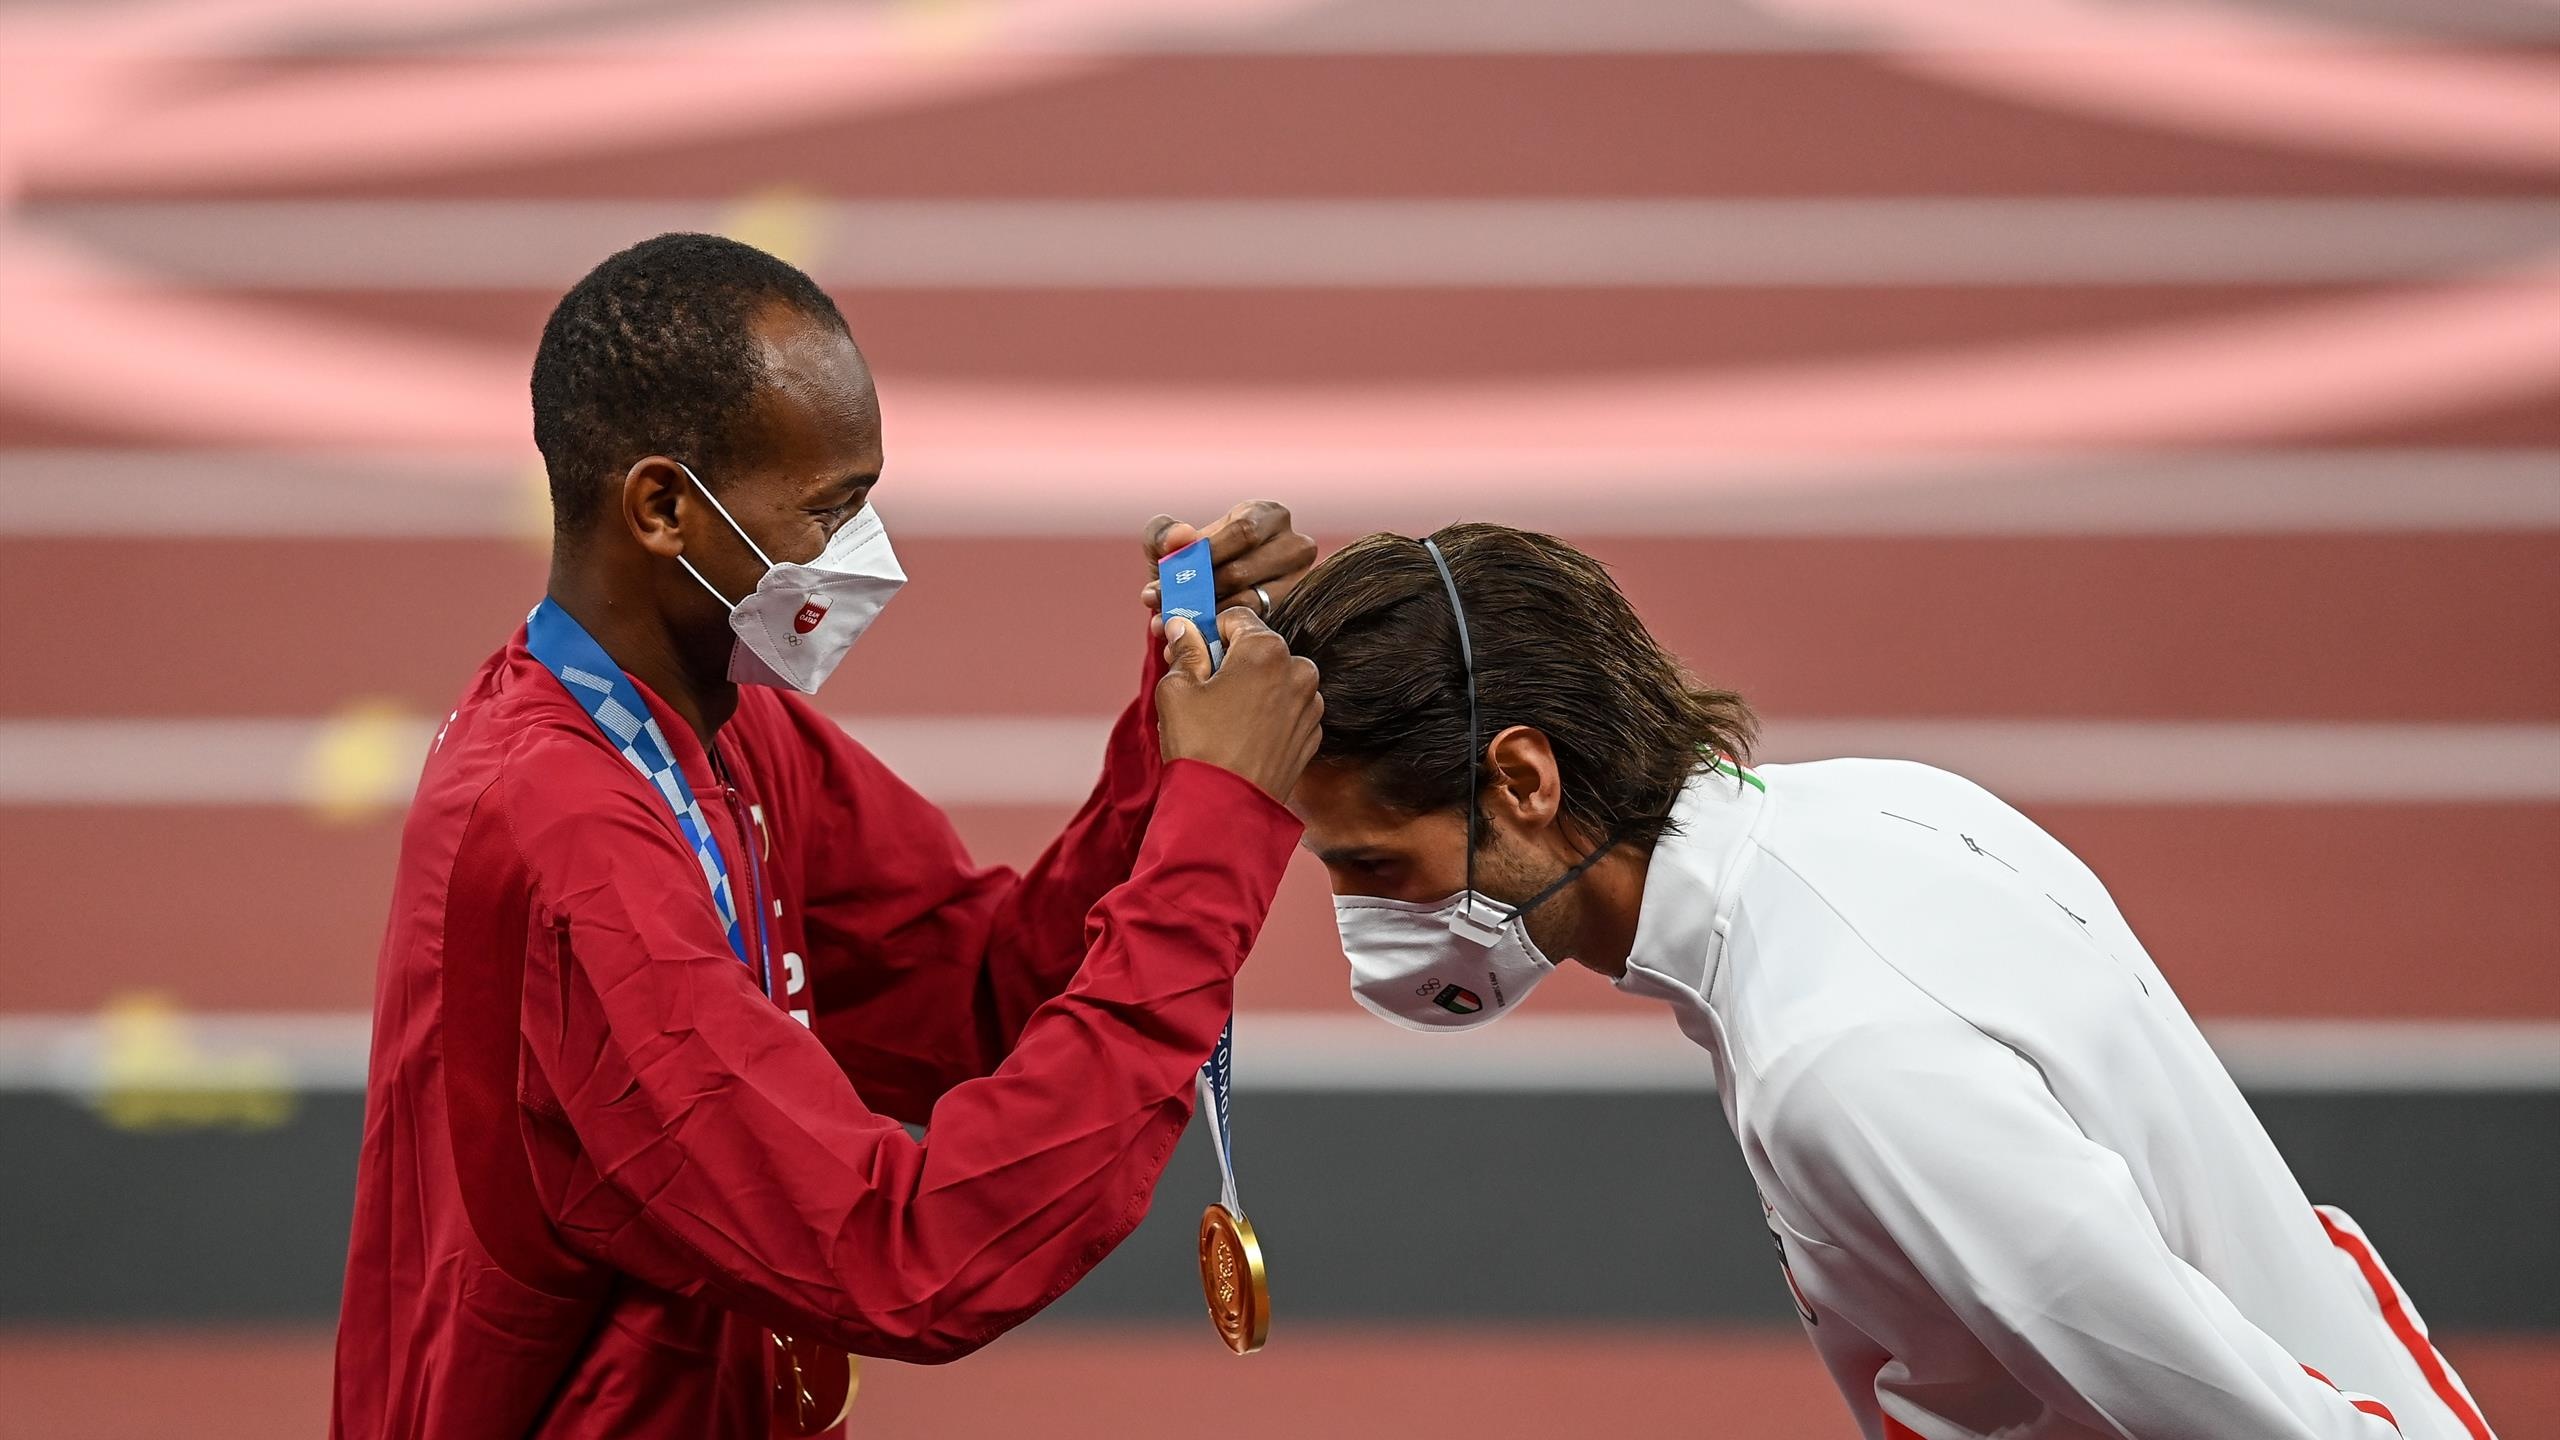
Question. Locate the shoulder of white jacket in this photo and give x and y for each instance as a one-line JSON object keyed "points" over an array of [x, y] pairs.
{"points": [[1856, 779], [1833, 822]]}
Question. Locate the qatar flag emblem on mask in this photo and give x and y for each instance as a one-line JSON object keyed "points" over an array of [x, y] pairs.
{"points": [[810, 614]]}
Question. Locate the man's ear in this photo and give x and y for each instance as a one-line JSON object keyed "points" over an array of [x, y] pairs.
{"points": [[654, 505], [1522, 782]]}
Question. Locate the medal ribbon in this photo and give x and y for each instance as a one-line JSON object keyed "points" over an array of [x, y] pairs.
{"points": [[619, 709], [1215, 1080]]}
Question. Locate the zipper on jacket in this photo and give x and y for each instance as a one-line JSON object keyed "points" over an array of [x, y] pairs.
{"points": [[747, 837]]}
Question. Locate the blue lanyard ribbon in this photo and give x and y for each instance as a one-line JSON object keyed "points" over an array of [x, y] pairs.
{"points": [[619, 709], [1216, 1078]]}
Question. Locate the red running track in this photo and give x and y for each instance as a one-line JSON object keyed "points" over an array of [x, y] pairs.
{"points": [[2353, 627], [2402, 911], [2335, 909], [1406, 125], [1061, 1382]]}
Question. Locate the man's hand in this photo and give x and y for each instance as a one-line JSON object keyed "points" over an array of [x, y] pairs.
{"points": [[1259, 716], [1253, 545]]}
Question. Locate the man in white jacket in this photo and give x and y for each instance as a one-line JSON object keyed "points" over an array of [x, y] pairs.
{"points": [[2016, 1194]]}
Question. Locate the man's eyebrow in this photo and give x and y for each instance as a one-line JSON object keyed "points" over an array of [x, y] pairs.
{"points": [[849, 482]]}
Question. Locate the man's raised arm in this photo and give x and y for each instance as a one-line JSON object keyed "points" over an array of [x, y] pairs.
{"points": [[724, 1150], [924, 964]]}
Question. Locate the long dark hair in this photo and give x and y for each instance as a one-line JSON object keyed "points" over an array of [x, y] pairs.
{"points": [[1557, 648]]}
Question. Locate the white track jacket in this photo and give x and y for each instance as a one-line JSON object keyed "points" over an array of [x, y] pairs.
{"points": [[2015, 1193]]}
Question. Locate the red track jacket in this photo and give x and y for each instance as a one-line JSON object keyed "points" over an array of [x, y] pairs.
{"points": [[599, 1161]]}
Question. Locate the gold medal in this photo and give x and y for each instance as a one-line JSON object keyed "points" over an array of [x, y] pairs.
{"points": [[813, 1386], [1231, 1277]]}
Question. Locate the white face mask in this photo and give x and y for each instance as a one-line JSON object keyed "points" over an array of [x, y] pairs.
{"points": [[801, 620], [1438, 965]]}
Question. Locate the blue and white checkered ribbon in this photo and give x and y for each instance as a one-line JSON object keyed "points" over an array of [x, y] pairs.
{"points": [[616, 705], [1216, 1079]]}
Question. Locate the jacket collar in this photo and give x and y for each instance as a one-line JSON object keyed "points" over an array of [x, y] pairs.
{"points": [[1690, 884]]}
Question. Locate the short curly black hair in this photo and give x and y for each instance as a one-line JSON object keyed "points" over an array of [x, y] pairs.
{"points": [[653, 353]]}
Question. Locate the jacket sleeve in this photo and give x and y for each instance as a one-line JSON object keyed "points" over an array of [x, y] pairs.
{"points": [[1945, 1148], [721, 1149], [924, 965]]}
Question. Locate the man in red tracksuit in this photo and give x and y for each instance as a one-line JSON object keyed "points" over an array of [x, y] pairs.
{"points": [[670, 957]]}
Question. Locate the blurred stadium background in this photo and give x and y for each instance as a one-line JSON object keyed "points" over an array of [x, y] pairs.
{"points": [[2152, 411]]}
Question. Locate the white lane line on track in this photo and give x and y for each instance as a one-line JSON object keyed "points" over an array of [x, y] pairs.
{"points": [[1424, 28], [79, 1055], [545, 245], [216, 494], [975, 760], [1621, 27], [1644, 1052]]}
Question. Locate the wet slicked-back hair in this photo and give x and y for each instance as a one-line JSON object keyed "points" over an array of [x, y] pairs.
{"points": [[1557, 648], [653, 353]]}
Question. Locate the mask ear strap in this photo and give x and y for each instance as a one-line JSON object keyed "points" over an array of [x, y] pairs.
{"points": [[1466, 917], [1556, 886], [724, 600], [724, 514], [1467, 659]]}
